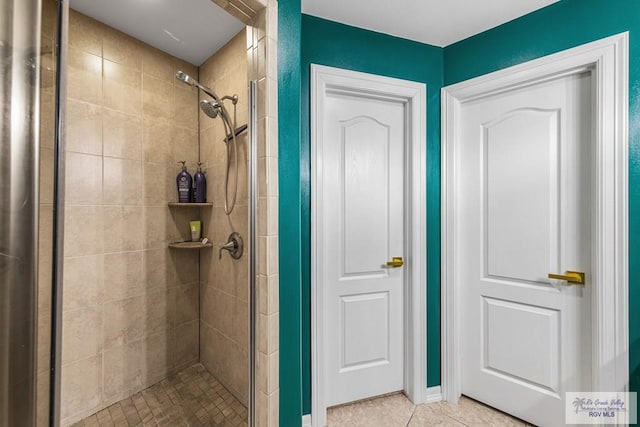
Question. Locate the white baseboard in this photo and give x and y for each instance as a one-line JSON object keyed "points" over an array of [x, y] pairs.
{"points": [[434, 394], [306, 420]]}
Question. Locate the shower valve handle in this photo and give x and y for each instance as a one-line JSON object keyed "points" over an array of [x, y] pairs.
{"points": [[229, 246], [234, 246]]}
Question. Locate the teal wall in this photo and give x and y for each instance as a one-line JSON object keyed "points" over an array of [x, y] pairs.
{"points": [[304, 40], [329, 43], [289, 211], [561, 26]]}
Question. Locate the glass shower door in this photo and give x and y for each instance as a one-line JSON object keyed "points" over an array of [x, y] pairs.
{"points": [[28, 44]]}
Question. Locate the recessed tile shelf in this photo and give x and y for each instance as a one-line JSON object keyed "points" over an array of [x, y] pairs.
{"points": [[190, 245], [186, 205]]}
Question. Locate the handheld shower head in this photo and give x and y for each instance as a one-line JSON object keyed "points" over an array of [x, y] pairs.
{"points": [[185, 78]]}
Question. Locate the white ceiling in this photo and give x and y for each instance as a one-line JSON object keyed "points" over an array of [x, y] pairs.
{"points": [[435, 22], [194, 29], [188, 29]]}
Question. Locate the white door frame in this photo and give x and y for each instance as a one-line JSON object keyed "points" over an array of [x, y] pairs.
{"points": [[608, 61], [413, 95]]}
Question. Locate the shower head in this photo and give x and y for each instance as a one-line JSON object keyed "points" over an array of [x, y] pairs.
{"points": [[213, 108], [185, 78], [210, 108]]}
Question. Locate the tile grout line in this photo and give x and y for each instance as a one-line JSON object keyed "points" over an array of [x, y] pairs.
{"points": [[413, 412], [458, 420]]}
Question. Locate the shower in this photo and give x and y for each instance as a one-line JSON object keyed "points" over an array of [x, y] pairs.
{"points": [[213, 109], [95, 322]]}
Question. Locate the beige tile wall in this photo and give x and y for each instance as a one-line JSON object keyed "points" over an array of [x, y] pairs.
{"points": [[130, 309], [261, 43], [224, 331]]}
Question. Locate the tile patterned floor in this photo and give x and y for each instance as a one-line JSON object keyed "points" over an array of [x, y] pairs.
{"points": [[397, 411], [192, 397]]}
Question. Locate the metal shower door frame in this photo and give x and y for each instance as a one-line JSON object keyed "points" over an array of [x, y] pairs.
{"points": [[253, 245], [55, 375]]}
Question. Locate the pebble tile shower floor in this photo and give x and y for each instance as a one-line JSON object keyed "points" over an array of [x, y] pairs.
{"points": [[192, 397]]}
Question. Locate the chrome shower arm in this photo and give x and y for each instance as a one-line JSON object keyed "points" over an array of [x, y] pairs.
{"points": [[208, 91]]}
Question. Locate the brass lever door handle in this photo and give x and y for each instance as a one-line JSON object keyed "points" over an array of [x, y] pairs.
{"points": [[395, 262], [576, 277]]}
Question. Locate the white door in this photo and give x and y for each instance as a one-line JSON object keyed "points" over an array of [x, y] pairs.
{"points": [[363, 224], [525, 168]]}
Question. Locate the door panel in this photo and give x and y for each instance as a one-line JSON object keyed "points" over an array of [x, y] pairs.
{"points": [[524, 205], [363, 227], [364, 189], [502, 321], [520, 187], [364, 323]]}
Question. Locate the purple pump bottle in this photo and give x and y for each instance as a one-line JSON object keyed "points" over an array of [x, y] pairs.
{"points": [[200, 184], [183, 181]]}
